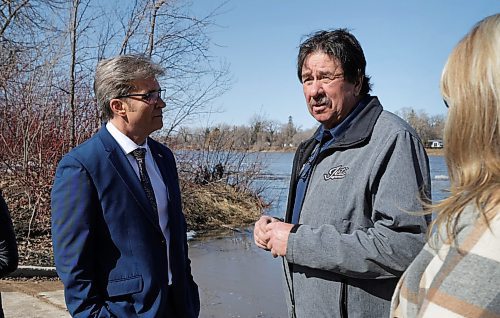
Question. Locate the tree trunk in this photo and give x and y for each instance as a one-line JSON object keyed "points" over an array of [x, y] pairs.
{"points": [[73, 39]]}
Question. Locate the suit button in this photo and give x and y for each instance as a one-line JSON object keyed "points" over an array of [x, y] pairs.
{"points": [[163, 242]]}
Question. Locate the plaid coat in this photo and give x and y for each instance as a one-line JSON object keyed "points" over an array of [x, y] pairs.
{"points": [[457, 280]]}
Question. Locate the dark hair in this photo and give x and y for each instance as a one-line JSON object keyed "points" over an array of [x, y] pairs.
{"points": [[342, 46]]}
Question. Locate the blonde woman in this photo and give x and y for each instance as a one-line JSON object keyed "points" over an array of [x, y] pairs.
{"points": [[457, 274]]}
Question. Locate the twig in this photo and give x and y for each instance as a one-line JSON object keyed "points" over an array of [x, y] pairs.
{"points": [[231, 228]]}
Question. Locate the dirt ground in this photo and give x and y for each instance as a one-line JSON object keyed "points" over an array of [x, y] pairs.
{"points": [[31, 286]]}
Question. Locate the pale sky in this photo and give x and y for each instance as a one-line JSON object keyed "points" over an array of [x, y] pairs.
{"points": [[406, 44]]}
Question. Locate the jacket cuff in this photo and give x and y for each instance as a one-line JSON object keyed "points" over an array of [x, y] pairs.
{"points": [[289, 248]]}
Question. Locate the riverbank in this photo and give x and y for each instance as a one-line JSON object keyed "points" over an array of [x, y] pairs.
{"points": [[218, 205], [435, 151]]}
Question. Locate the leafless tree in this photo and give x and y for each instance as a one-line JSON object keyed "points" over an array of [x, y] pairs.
{"points": [[170, 34], [427, 127], [48, 53]]}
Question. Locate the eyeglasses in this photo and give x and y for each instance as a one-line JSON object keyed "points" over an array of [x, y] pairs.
{"points": [[150, 98]]}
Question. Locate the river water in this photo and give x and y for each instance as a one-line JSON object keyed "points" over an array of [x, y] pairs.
{"points": [[236, 279]]}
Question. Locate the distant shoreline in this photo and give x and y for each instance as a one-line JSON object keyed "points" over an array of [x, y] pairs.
{"points": [[434, 151], [430, 151]]}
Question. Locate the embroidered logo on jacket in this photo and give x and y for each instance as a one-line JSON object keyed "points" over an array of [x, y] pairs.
{"points": [[338, 172]]}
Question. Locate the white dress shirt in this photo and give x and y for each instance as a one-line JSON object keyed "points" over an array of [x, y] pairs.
{"points": [[159, 187]]}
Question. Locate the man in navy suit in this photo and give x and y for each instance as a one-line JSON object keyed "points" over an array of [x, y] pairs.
{"points": [[118, 230]]}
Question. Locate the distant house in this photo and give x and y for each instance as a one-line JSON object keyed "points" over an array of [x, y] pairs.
{"points": [[435, 143]]}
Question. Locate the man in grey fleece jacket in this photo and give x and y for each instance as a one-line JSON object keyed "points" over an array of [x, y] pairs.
{"points": [[348, 233]]}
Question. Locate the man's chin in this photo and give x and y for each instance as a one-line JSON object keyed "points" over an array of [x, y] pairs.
{"points": [[156, 126], [328, 123], [321, 118]]}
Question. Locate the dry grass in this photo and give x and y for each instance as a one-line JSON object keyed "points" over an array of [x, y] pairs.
{"points": [[434, 152], [217, 205]]}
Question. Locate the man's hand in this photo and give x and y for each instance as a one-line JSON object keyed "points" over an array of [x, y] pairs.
{"points": [[276, 236], [259, 231]]}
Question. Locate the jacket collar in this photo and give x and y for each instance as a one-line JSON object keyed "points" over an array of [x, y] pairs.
{"points": [[361, 127], [357, 132]]}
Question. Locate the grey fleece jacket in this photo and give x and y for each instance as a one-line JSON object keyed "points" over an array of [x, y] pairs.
{"points": [[356, 235]]}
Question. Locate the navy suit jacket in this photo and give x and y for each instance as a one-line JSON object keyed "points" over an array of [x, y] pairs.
{"points": [[109, 250]]}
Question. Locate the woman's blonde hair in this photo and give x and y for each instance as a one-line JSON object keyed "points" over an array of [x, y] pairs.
{"points": [[470, 85]]}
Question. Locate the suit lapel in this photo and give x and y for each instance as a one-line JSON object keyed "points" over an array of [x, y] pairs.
{"points": [[122, 166], [167, 173], [161, 162]]}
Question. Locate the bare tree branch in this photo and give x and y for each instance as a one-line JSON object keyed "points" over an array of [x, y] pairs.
{"points": [[12, 13]]}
